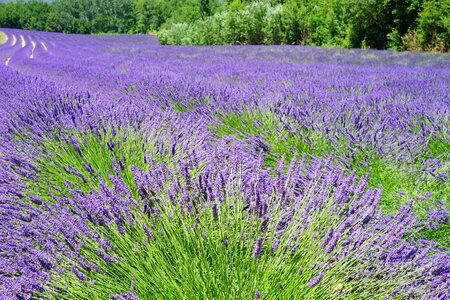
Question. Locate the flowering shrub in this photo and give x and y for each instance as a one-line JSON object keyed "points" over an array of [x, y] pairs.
{"points": [[247, 172]]}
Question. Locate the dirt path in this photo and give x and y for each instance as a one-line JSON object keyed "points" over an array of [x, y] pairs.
{"points": [[44, 45], [3, 38], [24, 43], [33, 44]]}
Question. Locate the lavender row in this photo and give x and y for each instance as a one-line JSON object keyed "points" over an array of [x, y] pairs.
{"points": [[114, 134]]}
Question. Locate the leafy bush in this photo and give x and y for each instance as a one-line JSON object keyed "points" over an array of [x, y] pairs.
{"points": [[179, 34], [366, 24], [434, 25], [256, 23]]}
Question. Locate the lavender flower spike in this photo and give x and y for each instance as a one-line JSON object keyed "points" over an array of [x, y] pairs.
{"points": [[315, 281], [257, 247]]}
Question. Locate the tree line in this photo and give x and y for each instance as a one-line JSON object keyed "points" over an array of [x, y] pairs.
{"points": [[381, 24], [102, 16]]}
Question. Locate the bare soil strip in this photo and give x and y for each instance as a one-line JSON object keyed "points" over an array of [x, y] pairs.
{"points": [[3, 38], [44, 45], [32, 49], [24, 43]]}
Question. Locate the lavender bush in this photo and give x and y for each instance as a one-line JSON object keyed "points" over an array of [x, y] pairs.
{"points": [[130, 170]]}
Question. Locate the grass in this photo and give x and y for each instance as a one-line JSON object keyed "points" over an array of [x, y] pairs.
{"points": [[183, 262], [187, 257], [400, 181], [442, 235], [84, 149], [202, 255], [3, 38], [187, 105], [180, 263], [280, 141]]}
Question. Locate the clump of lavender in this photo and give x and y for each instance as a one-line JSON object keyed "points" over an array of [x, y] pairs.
{"points": [[345, 246], [157, 169]]}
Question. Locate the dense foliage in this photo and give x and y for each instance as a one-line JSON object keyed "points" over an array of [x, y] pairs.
{"points": [[102, 16], [395, 24], [382, 24], [131, 170]]}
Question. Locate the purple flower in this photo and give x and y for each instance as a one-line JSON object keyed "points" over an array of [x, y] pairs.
{"points": [[110, 145], [257, 247], [125, 296], [214, 212], [264, 224], [148, 232], [108, 259], [79, 274], [275, 244], [326, 118], [314, 281], [437, 217]]}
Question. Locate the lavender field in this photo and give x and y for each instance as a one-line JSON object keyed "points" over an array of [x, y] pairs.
{"points": [[131, 170]]}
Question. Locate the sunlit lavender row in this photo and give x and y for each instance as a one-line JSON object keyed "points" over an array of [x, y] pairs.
{"points": [[131, 170]]}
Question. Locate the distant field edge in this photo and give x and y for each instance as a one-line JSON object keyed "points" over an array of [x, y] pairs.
{"points": [[3, 37]]}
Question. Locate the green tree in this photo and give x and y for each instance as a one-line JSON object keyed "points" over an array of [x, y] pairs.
{"points": [[147, 15], [434, 25], [205, 8]]}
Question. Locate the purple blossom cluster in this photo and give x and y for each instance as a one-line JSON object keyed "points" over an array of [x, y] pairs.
{"points": [[53, 86]]}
